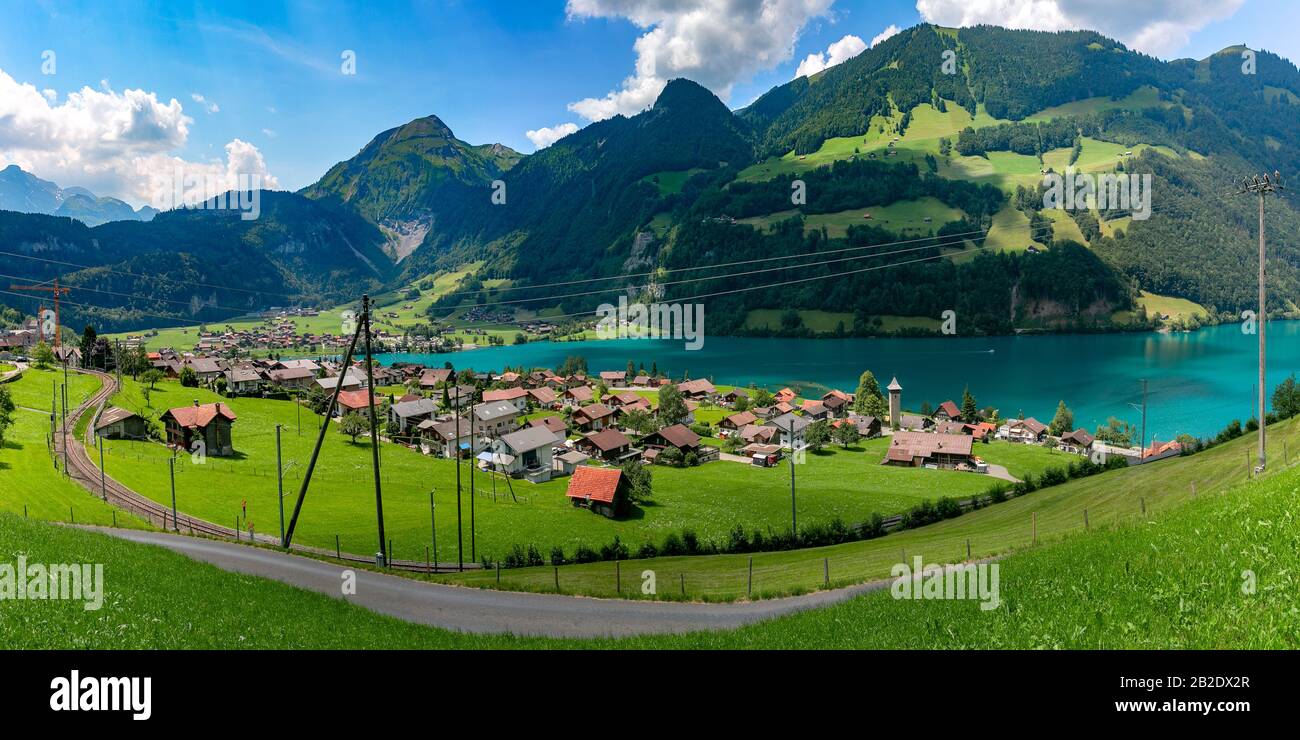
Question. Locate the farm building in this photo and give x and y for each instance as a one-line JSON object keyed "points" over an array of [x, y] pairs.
{"points": [[116, 423], [914, 449], [603, 490], [209, 423]]}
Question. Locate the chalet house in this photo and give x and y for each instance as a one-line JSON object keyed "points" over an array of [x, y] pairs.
{"points": [[593, 418], [1158, 451], [914, 423], [641, 381], [544, 397], [353, 380], [947, 411], [433, 377], [815, 410], [697, 389], [495, 418], [764, 412], [915, 449], [117, 423], [730, 398], [524, 454], [982, 431], [736, 422], [206, 369], [835, 393], [292, 377], [308, 365], [576, 396], [510, 378], [609, 445], [1079, 442], [516, 396], [409, 414], [553, 424], [782, 407], [445, 437], [613, 377], [626, 398], [790, 430], [753, 433], [68, 355], [603, 490], [868, 426], [354, 402], [950, 427], [836, 407], [785, 395], [1027, 431], [677, 436], [243, 380], [459, 396], [209, 424]]}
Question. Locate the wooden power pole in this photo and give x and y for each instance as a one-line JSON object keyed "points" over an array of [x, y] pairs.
{"points": [[1261, 187]]}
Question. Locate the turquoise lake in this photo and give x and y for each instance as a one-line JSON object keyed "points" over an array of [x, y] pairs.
{"points": [[1197, 381]]}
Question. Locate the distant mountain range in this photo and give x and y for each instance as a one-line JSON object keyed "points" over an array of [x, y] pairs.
{"points": [[893, 146], [24, 192]]}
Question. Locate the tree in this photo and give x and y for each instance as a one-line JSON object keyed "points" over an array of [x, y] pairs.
{"points": [[1286, 398], [846, 434], [639, 422], [640, 485], [868, 391], [353, 426], [742, 404], [818, 434], [1063, 422], [969, 410], [672, 407], [189, 378], [1119, 432], [6, 413], [671, 456], [42, 356], [875, 406], [88, 337], [763, 397], [151, 377]]}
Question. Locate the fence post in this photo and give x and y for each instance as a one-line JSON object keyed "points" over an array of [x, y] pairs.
{"points": [[1035, 516], [750, 589], [1143, 501], [337, 553], [498, 573], [1193, 489], [968, 548], [683, 576], [114, 512], [557, 579], [618, 577], [24, 511], [1085, 518], [72, 517], [826, 571]]}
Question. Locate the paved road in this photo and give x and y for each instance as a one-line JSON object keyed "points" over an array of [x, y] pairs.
{"points": [[475, 610]]}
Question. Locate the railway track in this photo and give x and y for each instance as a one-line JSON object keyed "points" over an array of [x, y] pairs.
{"points": [[82, 470]]}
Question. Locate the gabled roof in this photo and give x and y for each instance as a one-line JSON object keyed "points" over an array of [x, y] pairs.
{"points": [[579, 393], [608, 439], [784, 422], [542, 395], [594, 484], [678, 435], [199, 416], [950, 408], [1078, 436], [355, 399], [529, 438], [504, 394], [926, 444], [594, 411], [553, 424], [417, 407], [112, 416], [696, 386], [741, 419], [1033, 425], [494, 410]]}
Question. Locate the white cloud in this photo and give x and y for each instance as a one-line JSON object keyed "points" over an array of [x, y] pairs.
{"points": [[269, 133], [547, 135], [838, 52], [716, 43], [208, 105], [890, 30], [1157, 27], [114, 143]]}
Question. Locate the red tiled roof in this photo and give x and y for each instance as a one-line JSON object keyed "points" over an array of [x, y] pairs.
{"points": [[678, 435], [200, 416], [950, 408], [355, 399], [608, 439], [594, 484], [504, 394]]}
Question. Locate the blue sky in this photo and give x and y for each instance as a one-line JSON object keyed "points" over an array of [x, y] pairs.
{"points": [[269, 72]]}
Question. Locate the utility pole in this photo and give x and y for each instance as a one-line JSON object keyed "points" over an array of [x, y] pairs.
{"points": [[794, 516], [1142, 443], [171, 469], [1261, 187], [473, 463], [433, 529], [374, 428], [460, 537], [279, 482]]}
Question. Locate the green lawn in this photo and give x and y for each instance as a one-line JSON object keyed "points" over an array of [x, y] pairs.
{"points": [[904, 217], [710, 499], [6, 367], [27, 474], [1056, 512], [671, 181]]}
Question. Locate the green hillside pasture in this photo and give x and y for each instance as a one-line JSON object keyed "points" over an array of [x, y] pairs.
{"points": [[1055, 513], [904, 217], [710, 499]]}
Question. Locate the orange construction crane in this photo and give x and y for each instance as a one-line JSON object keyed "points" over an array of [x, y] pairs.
{"points": [[57, 291]]}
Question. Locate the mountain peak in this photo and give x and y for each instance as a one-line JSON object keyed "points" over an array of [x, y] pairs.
{"points": [[682, 94]]}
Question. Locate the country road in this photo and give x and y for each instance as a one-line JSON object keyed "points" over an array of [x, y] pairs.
{"points": [[478, 610]]}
